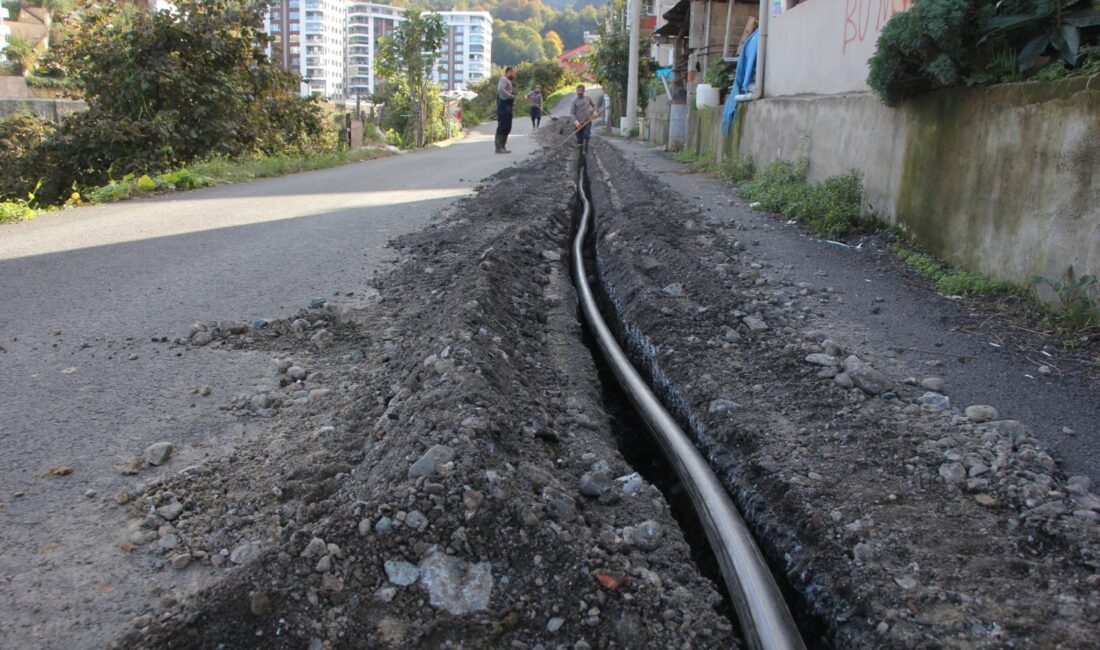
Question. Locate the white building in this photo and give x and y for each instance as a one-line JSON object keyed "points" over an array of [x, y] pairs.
{"points": [[367, 24], [310, 39], [467, 49], [4, 29]]}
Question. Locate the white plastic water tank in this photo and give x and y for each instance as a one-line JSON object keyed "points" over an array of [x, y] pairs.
{"points": [[706, 95]]}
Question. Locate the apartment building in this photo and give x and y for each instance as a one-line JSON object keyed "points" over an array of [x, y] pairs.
{"points": [[4, 29], [310, 38], [467, 49], [367, 24]]}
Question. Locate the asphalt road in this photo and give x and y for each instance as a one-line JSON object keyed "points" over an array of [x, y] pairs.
{"points": [[85, 290]]}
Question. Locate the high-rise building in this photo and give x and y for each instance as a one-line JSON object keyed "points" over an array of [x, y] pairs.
{"points": [[467, 49], [310, 38], [367, 24], [4, 29]]}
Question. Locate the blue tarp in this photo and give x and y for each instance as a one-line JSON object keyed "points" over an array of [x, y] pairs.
{"points": [[742, 81]]}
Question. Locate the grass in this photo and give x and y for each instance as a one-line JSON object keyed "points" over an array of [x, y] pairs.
{"points": [[216, 171], [16, 211], [691, 155], [950, 280], [831, 207], [222, 171], [553, 98]]}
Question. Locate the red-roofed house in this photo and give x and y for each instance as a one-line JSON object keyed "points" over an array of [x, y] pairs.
{"points": [[576, 60]]}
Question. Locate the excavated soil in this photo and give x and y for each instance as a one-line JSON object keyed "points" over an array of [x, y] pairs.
{"points": [[434, 470], [441, 467], [899, 523]]}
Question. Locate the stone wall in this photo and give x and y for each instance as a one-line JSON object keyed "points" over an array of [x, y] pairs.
{"points": [[1001, 180], [54, 110]]}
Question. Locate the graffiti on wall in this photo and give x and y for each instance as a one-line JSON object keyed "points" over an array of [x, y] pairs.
{"points": [[865, 18]]}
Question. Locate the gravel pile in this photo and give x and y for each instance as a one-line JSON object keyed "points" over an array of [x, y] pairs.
{"points": [[901, 519], [433, 470]]}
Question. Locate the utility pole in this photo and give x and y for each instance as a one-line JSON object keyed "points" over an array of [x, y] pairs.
{"points": [[632, 75]]}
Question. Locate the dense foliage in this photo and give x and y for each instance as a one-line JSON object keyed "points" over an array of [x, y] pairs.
{"points": [[832, 207], [164, 89], [405, 61], [945, 43], [522, 28]]}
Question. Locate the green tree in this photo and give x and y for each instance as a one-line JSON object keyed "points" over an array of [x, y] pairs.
{"points": [[166, 88], [609, 60], [514, 43], [571, 25], [406, 58], [552, 45]]}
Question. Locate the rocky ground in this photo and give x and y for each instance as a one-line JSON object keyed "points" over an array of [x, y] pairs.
{"points": [[436, 469], [901, 520], [442, 467]]}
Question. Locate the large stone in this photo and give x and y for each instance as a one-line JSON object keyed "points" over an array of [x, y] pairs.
{"points": [[401, 573], [245, 553], [935, 399], [455, 585], [823, 360], [981, 413], [865, 377], [429, 463], [158, 453], [594, 484], [647, 535], [953, 472]]}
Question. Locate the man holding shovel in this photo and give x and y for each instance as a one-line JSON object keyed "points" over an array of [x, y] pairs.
{"points": [[583, 112]]}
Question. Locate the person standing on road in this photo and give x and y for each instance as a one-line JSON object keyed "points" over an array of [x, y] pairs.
{"points": [[535, 97], [583, 112], [506, 100]]}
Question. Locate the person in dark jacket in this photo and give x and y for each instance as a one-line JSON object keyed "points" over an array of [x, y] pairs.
{"points": [[506, 100]]}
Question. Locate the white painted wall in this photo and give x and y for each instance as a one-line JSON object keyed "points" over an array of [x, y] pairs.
{"points": [[822, 47]]}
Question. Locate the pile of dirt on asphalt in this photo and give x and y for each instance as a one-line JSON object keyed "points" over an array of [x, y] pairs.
{"points": [[436, 469], [900, 521]]}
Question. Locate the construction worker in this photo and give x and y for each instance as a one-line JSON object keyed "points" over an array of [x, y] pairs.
{"points": [[535, 97], [583, 111], [506, 99]]}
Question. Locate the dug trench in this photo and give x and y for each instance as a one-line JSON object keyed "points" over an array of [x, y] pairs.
{"points": [[437, 469], [899, 522], [442, 467]]}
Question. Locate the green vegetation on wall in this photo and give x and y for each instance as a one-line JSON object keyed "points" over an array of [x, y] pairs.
{"points": [[945, 43]]}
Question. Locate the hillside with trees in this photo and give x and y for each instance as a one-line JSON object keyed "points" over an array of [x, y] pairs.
{"points": [[528, 30]]}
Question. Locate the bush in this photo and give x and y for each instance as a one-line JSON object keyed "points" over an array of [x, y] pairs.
{"points": [[944, 43], [141, 73], [933, 45], [13, 211], [832, 207], [19, 136]]}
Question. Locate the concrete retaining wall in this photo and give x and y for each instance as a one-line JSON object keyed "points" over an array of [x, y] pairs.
{"points": [[1001, 180], [54, 110]]}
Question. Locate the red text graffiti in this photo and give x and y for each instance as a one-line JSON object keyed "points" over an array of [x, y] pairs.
{"points": [[863, 17]]}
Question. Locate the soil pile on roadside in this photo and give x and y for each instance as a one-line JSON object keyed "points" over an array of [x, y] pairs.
{"points": [[434, 470], [901, 521]]}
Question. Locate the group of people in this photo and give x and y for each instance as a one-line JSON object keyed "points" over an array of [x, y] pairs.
{"points": [[582, 110]]}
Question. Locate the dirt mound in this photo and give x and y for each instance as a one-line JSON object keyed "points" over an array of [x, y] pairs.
{"points": [[901, 521], [436, 469]]}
